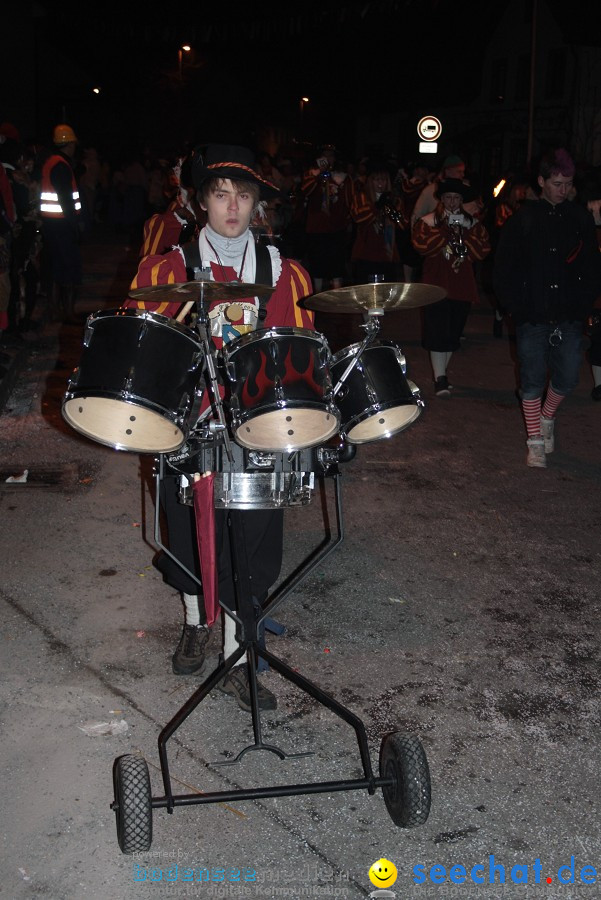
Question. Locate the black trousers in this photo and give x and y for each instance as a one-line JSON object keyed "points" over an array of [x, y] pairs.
{"points": [[262, 532]]}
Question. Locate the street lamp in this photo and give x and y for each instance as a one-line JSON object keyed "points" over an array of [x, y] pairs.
{"points": [[185, 48], [303, 100]]}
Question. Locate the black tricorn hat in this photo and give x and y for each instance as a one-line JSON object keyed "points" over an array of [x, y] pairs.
{"points": [[454, 186], [230, 161]]}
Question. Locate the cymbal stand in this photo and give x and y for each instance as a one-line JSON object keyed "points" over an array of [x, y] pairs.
{"points": [[203, 326], [372, 327]]}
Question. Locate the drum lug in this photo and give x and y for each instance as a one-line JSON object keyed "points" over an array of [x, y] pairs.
{"points": [[372, 395], [87, 335], [196, 361], [278, 390], [235, 413], [73, 378], [273, 350], [127, 386], [230, 371], [402, 360]]}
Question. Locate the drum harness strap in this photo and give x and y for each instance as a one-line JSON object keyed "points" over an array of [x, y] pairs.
{"points": [[264, 273]]}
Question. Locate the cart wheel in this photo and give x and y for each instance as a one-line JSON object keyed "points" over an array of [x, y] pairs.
{"points": [[403, 760], [133, 803]]}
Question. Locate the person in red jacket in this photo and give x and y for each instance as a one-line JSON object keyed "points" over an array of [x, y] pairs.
{"points": [[229, 190], [182, 219], [450, 240], [374, 210], [326, 194]]}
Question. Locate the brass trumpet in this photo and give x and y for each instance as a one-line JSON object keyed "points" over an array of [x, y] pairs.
{"points": [[385, 205], [456, 243]]}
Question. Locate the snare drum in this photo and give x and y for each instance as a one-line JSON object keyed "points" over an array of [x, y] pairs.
{"points": [[135, 383], [252, 479], [376, 400], [280, 389]]}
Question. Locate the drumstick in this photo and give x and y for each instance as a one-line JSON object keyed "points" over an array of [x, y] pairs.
{"points": [[184, 312]]}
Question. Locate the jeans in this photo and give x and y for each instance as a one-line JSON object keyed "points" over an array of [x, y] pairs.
{"points": [[538, 358]]}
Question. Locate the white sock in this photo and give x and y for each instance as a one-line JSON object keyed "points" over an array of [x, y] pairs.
{"points": [[230, 641], [438, 358], [191, 602], [596, 375]]}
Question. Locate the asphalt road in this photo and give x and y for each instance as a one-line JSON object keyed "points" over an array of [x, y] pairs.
{"points": [[462, 607]]}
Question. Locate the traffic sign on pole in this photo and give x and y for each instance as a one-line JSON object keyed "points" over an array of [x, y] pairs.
{"points": [[429, 128]]}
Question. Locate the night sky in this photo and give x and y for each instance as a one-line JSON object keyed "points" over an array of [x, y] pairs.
{"points": [[249, 68]]}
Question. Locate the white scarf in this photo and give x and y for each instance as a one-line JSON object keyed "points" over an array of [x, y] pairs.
{"points": [[231, 252]]}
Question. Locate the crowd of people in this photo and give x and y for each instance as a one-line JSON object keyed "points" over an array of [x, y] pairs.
{"points": [[346, 221]]}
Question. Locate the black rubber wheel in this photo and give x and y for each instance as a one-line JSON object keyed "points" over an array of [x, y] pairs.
{"points": [[402, 759], [133, 803]]}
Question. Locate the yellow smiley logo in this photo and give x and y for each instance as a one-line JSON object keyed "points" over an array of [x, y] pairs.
{"points": [[383, 873]]}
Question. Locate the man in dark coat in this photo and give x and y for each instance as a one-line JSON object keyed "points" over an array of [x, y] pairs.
{"points": [[547, 275]]}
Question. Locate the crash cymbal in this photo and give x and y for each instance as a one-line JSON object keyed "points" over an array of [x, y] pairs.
{"points": [[384, 296], [191, 290]]}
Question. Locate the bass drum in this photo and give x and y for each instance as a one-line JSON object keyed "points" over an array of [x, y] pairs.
{"points": [[376, 400], [135, 384]]}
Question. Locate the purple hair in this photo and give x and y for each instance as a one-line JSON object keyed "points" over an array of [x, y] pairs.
{"points": [[557, 162]]}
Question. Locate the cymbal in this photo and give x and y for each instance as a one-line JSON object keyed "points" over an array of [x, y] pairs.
{"points": [[386, 296], [191, 290]]}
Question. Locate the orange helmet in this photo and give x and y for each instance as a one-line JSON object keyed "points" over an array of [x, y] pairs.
{"points": [[63, 134]]}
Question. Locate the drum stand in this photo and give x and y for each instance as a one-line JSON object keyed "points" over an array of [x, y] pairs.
{"points": [[404, 774]]}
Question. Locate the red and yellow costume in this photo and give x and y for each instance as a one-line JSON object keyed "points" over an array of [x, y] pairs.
{"points": [[282, 307], [375, 239], [432, 239]]}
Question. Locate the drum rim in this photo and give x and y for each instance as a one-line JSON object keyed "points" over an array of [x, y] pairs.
{"points": [[132, 400], [358, 420], [352, 349], [274, 331], [161, 320]]}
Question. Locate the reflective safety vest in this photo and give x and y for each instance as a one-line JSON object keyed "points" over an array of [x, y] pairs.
{"points": [[50, 207]]}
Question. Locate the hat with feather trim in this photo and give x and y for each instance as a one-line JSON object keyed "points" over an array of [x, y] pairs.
{"points": [[230, 161]]}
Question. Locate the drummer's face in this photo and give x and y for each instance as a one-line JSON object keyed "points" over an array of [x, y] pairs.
{"points": [[228, 210]]}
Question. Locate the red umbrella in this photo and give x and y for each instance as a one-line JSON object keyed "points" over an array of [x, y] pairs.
{"points": [[204, 511]]}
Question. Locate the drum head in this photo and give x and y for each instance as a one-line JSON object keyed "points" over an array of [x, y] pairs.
{"points": [[122, 426], [286, 430], [383, 424]]}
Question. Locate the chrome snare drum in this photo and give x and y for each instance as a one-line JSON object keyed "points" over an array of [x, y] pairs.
{"points": [[135, 384], [376, 400], [253, 479], [280, 389]]}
